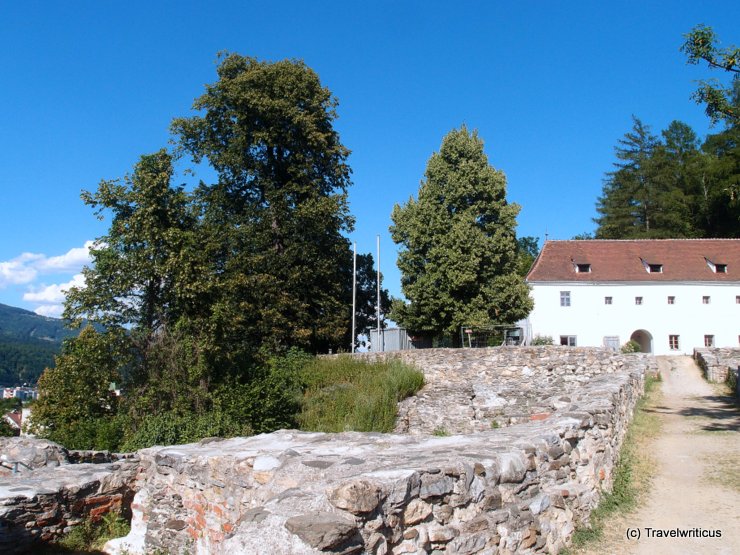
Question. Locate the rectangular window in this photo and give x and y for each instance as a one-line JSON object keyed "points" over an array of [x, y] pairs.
{"points": [[611, 342], [737, 299], [607, 300], [638, 300], [709, 341], [720, 268], [671, 300], [655, 268], [705, 299], [673, 342], [568, 340], [565, 298], [583, 268]]}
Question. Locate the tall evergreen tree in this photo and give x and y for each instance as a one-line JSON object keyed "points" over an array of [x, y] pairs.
{"points": [[670, 187], [458, 256], [277, 214], [627, 204], [652, 192]]}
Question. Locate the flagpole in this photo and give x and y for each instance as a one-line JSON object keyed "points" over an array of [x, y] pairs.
{"points": [[380, 341], [354, 292]]}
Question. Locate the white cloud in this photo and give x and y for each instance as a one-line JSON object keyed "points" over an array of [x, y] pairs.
{"points": [[16, 272], [71, 261], [55, 293], [50, 310], [26, 267]]}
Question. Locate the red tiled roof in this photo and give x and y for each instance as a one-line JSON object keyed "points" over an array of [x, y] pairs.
{"points": [[625, 260], [15, 417]]}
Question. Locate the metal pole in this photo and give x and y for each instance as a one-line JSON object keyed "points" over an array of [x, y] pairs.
{"points": [[382, 343], [354, 292]]}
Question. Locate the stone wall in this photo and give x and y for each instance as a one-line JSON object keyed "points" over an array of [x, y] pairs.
{"points": [[518, 489], [474, 390], [47, 495], [717, 362]]}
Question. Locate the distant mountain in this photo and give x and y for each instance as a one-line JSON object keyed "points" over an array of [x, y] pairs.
{"points": [[22, 325], [28, 343]]}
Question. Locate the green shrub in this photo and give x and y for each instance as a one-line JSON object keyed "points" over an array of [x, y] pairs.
{"points": [[172, 429], [732, 379], [343, 393], [271, 399], [631, 346], [540, 340], [104, 434], [6, 430]]}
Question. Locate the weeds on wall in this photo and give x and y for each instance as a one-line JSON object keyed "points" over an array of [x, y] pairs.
{"points": [[90, 537], [343, 393]]}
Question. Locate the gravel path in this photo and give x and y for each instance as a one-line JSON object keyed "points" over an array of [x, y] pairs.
{"points": [[697, 484]]}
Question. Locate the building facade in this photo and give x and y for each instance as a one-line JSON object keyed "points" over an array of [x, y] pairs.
{"points": [[669, 295]]}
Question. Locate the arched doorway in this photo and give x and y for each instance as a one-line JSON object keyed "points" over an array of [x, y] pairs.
{"points": [[645, 340]]}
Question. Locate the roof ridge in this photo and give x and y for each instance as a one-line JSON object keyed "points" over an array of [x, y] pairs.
{"points": [[696, 239]]}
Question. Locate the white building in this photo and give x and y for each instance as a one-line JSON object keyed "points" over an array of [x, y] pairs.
{"points": [[669, 295]]}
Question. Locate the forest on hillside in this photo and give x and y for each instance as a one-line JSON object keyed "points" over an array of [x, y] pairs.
{"points": [[28, 344]]}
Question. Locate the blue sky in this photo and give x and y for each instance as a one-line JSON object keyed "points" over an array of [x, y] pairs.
{"points": [[87, 87]]}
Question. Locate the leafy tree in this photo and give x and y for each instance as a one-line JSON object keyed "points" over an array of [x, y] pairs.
{"points": [[458, 254], [132, 281], [719, 208], [277, 214], [145, 283], [527, 251], [76, 391], [702, 45], [585, 236], [366, 317]]}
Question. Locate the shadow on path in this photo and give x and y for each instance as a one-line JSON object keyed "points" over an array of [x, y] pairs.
{"points": [[721, 410]]}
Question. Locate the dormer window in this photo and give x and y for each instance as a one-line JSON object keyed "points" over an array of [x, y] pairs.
{"points": [[583, 268], [716, 267], [651, 268]]}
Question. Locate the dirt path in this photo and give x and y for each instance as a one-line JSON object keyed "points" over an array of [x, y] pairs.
{"points": [[697, 482]]}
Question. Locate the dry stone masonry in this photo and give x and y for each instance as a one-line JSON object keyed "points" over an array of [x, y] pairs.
{"points": [[475, 390], [518, 489], [43, 493], [533, 437], [717, 363]]}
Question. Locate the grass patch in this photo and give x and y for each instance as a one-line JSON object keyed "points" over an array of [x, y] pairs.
{"points": [[633, 472], [343, 393], [88, 536]]}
